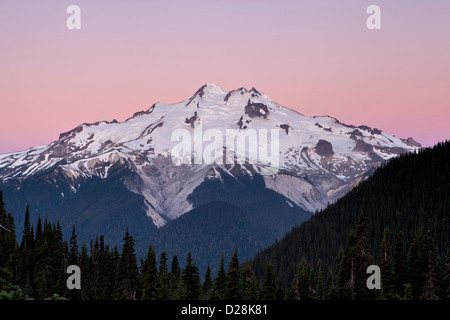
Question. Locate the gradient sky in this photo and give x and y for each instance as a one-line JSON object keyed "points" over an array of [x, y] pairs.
{"points": [[316, 57]]}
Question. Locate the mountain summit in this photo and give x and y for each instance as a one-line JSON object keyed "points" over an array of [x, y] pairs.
{"points": [[319, 158]]}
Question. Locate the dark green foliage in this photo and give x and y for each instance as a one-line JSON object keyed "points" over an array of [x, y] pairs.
{"points": [[100, 206], [352, 264], [163, 278], [233, 227], [384, 261], [174, 277], [430, 288], [269, 285], [207, 285], [409, 194], [303, 281], [250, 287], [9, 291], [191, 279], [149, 276], [233, 289], [400, 266], [127, 284], [220, 283]]}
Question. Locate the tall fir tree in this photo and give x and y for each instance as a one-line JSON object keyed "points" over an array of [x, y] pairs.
{"points": [[104, 288], [352, 264], [269, 285], [319, 290], [400, 266], [191, 279], [220, 282], [174, 277], [85, 292], [74, 254], [149, 276], [163, 278], [25, 272], [127, 274], [388, 284], [303, 281], [416, 265], [249, 284], [207, 284], [233, 289], [431, 285]]}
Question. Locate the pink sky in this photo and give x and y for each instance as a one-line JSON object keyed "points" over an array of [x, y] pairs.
{"points": [[316, 57]]}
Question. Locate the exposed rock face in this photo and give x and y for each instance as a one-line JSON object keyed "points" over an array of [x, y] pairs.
{"points": [[362, 146], [411, 142], [285, 127], [192, 119], [256, 110], [324, 148]]}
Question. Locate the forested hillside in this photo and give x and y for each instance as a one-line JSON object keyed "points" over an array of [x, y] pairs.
{"points": [[409, 197]]}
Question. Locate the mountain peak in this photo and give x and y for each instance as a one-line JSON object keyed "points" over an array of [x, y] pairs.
{"points": [[207, 89], [213, 89]]}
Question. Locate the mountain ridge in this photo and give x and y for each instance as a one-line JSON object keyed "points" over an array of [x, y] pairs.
{"points": [[319, 160]]}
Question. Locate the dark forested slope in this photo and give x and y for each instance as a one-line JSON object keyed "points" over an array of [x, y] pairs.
{"points": [[409, 194]]}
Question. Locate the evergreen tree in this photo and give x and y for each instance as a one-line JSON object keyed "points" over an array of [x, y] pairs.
{"points": [[127, 274], [330, 290], [388, 286], [207, 285], [319, 292], [149, 276], [163, 278], [174, 277], [352, 264], [85, 291], [408, 292], [94, 269], [303, 281], [25, 272], [191, 279], [74, 255], [181, 290], [431, 288], [249, 283], [9, 291], [416, 266], [175, 270], [38, 229], [44, 268], [269, 286], [104, 289], [279, 291], [61, 284], [220, 283], [233, 289], [400, 266]]}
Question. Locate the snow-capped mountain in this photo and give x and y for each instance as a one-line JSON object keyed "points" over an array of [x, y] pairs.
{"points": [[320, 158]]}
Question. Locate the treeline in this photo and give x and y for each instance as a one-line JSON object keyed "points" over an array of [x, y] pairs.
{"points": [[36, 268]]}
